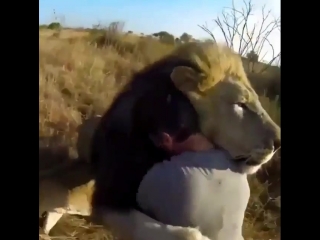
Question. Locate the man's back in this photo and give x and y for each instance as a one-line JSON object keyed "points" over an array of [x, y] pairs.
{"points": [[198, 189]]}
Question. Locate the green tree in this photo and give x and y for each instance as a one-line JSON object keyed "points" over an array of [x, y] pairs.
{"points": [[54, 26]]}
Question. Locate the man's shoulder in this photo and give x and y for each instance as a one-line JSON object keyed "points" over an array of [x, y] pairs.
{"points": [[201, 156], [202, 159]]}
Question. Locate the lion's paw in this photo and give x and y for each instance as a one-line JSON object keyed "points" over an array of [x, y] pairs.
{"points": [[186, 233], [44, 237]]}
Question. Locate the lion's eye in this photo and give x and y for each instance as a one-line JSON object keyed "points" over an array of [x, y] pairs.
{"points": [[241, 105], [240, 108]]}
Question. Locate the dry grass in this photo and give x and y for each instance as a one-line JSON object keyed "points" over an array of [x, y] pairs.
{"points": [[77, 80]]}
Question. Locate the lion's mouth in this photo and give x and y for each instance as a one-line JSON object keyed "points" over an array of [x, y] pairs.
{"points": [[252, 162], [241, 159], [248, 160]]}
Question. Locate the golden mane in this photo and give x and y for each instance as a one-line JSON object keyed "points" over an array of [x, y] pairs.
{"points": [[217, 61]]}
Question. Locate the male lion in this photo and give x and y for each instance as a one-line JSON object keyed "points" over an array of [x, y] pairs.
{"points": [[230, 114], [229, 110]]}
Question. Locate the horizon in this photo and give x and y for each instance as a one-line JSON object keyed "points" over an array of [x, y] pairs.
{"points": [[150, 17]]}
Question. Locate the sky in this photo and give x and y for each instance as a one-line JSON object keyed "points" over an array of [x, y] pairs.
{"points": [[142, 16]]}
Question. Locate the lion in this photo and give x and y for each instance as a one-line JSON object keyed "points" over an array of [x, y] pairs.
{"points": [[212, 78], [222, 94], [68, 191]]}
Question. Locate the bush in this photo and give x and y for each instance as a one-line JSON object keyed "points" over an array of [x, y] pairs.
{"points": [[54, 26], [43, 26]]}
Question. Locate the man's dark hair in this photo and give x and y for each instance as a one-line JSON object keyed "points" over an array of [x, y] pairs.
{"points": [[179, 118]]}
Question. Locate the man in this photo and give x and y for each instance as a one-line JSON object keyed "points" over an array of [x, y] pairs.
{"points": [[200, 186]]}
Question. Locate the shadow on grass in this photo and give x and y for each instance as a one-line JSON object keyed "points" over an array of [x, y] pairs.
{"points": [[53, 153]]}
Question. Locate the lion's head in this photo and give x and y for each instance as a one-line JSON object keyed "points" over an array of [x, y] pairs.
{"points": [[229, 109]]}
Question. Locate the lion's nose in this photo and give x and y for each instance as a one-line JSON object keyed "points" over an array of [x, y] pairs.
{"points": [[277, 144]]}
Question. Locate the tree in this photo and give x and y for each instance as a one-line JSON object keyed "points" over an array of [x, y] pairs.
{"points": [[58, 18], [54, 26], [112, 27], [115, 27], [208, 40], [161, 34], [185, 37], [165, 37], [253, 58], [234, 26], [177, 41]]}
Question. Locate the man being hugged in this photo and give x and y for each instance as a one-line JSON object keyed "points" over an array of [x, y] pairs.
{"points": [[200, 186]]}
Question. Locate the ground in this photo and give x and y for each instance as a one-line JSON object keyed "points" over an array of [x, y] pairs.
{"points": [[79, 79]]}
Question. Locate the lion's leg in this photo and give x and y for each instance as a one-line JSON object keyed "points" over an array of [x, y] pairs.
{"points": [[51, 219], [138, 226], [44, 237], [232, 225]]}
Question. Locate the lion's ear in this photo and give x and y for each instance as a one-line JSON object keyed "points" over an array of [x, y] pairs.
{"points": [[186, 78]]}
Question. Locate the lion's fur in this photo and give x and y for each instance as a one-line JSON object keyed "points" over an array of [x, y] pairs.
{"points": [[69, 191], [216, 61]]}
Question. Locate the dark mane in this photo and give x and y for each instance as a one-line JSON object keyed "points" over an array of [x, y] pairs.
{"points": [[122, 152]]}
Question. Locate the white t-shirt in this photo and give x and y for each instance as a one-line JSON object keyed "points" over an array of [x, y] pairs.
{"points": [[197, 189]]}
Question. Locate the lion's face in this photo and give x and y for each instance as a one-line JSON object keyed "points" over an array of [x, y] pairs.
{"points": [[232, 117]]}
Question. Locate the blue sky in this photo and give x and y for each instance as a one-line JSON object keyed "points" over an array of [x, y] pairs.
{"points": [[175, 17], [139, 15]]}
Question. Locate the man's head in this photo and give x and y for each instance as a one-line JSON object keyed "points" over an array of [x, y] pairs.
{"points": [[177, 129], [195, 142]]}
